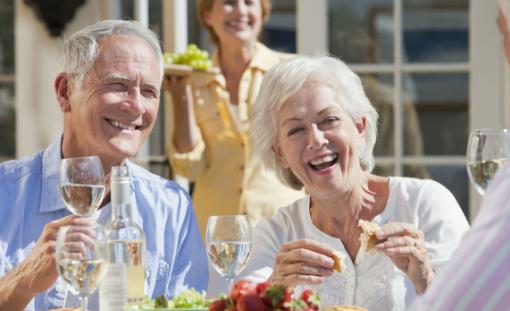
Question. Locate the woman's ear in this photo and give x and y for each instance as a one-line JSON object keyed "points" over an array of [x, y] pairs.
{"points": [[63, 91], [280, 156], [206, 17], [361, 126]]}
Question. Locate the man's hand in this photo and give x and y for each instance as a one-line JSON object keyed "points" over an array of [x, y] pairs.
{"points": [[38, 271]]}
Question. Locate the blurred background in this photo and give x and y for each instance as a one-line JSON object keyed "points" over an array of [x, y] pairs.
{"points": [[434, 70]]}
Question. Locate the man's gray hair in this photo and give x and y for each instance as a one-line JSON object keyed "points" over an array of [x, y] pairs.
{"points": [[288, 78], [82, 48]]}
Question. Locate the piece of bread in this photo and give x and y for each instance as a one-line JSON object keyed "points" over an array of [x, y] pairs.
{"points": [[367, 238], [339, 265]]}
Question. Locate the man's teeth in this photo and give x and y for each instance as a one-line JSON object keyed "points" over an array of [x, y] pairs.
{"points": [[119, 125], [328, 158]]}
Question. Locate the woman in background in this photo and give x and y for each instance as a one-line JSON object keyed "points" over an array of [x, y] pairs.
{"points": [[210, 143]]}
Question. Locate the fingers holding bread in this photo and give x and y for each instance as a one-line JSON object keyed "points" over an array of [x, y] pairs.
{"points": [[305, 262], [368, 237]]}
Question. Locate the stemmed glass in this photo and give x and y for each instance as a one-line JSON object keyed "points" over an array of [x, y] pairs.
{"points": [[81, 259], [228, 240], [82, 184], [487, 151]]}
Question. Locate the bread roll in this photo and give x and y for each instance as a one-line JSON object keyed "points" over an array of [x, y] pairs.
{"points": [[367, 238], [338, 266]]}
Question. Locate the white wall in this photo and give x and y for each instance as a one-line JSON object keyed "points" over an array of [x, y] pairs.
{"points": [[38, 118]]}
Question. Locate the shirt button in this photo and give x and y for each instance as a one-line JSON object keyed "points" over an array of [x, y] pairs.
{"points": [[240, 190], [242, 167]]}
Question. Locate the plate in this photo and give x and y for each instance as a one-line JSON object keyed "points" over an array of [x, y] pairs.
{"points": [[184, 70], [130, 308]]}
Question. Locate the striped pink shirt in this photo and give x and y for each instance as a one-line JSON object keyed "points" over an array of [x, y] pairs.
{"points": [[478, 275]]}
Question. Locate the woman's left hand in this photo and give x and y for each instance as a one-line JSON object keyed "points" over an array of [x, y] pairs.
{"points": [[405, 246]]}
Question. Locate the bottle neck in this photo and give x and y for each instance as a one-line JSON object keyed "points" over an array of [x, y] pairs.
{"points": [[121, 213], [121, 200]]}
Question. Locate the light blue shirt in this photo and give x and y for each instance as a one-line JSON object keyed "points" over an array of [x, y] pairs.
{"points": [[30, 198]]}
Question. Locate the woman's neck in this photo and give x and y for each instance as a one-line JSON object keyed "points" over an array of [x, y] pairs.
{"points": [[234, 59], [338, 215]]}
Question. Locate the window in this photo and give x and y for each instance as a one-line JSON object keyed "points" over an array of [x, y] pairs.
{"points": [[413, 59], [7, 81]]}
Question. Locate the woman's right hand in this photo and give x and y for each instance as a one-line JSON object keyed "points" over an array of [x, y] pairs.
{"points": [[302, 262], [179, 87]]}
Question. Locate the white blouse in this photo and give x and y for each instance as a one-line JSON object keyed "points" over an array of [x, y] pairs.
{"points": [[372, 281]]}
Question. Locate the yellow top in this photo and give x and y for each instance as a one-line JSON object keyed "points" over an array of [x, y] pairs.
{"points": [[228, 180]]}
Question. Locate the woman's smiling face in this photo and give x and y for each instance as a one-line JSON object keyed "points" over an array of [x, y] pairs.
{"points": [[318, 140]]}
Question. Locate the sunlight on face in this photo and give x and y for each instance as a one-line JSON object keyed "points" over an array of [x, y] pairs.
{"points": [[318, 140]]}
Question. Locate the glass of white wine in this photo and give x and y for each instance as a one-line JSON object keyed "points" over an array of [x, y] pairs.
{"points": [[81, 259], [487, 151], [228, 240], [82, 184]]}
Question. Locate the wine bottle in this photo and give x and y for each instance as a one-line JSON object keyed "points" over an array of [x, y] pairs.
{"points": [[125, 279]]}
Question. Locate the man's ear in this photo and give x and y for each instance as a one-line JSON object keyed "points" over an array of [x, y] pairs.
{"points": [[280, 156], [63, 91]]}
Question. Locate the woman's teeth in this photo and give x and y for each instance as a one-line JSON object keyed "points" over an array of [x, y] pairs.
{"points": [[324, 161], [122, 126]]}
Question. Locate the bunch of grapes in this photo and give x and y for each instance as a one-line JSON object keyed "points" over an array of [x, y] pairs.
{"points": [[194, 57]]}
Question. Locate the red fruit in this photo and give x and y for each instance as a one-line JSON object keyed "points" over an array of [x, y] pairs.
{"points": [[241, 288], [276, 296], [261, 287], [311, 299], [218, 305], [250, 302]]}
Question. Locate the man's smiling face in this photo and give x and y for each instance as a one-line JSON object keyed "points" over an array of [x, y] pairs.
{"points": [[115, 109]]}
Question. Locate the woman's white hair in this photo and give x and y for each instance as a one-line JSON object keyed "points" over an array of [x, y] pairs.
{"points": [[82, 48], [288, 78]]}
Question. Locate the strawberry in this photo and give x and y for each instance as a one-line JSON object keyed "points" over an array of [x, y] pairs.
{"points": [[311, 299], [250, 302], [275, 296], [240, 288], [261, 287], [218, 305]]}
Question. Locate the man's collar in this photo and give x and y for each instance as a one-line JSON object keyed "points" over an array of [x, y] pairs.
{"points": [[50, 178]]}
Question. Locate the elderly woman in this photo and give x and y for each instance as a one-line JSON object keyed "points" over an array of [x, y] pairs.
{"points": [[315, 126], [211, 143]]}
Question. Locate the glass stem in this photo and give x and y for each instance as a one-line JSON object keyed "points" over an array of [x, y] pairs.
{"points": [[83, 303], [230, 282]]}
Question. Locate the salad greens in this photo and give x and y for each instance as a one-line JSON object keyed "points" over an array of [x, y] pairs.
{"points": [[187, 299]]}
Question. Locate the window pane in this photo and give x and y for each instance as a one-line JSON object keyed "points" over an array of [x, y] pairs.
{"points": [[361, 31], [7, 37], [379, 89], [435, 31], [156, 17], [452, 177], [441, 102], [279, 33], [127, 9], [384, 170], [7, 121]]}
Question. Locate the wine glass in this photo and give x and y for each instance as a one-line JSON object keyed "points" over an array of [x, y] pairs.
{"points": [[228, 240], [81, 259], [487, 151], [82, 184]]}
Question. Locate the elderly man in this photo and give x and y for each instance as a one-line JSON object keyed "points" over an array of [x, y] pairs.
{"points": [[109, 93]]}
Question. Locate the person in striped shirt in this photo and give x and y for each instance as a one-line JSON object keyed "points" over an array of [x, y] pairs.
{"points": [[477, 277]]}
